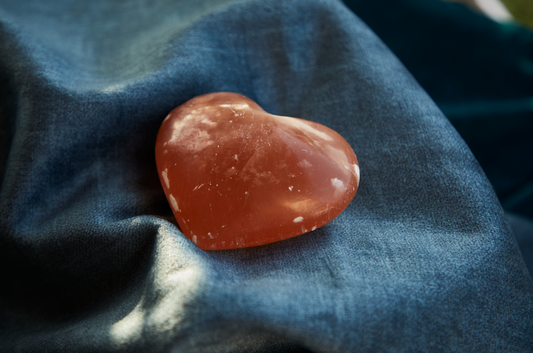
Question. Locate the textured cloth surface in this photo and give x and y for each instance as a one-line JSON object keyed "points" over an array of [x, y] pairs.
{"points": [[91, 260], [480, 74]]}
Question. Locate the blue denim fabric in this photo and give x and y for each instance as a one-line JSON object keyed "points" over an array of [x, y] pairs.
{"points": [[91, 260], [479, 73]]}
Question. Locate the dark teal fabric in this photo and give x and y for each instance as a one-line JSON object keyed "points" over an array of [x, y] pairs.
{"points": [[480, 74], [91, 259]]}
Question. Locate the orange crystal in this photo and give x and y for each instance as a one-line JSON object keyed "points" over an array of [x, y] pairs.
{"points": [[236, 176]]}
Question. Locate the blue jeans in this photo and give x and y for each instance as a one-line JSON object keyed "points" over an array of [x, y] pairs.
{"points": [[423, 259]]}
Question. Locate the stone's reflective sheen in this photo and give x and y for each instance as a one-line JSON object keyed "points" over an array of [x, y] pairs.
{"points": [[236, 176]]}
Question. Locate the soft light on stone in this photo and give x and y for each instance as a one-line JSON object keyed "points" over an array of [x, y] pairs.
{"points": [[236, 176]]}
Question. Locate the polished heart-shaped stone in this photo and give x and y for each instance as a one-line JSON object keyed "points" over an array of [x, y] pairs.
{"points": [[236, 176]]}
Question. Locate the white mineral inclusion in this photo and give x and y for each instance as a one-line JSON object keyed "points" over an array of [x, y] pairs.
{"points": [[194, 239], [174, 203], [165, 177], [298, 219], [340, 188], [208, 122], [305, 164], [357, 172]]}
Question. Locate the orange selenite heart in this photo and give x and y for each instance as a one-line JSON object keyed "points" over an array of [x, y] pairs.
{"points": [[236, 176]]}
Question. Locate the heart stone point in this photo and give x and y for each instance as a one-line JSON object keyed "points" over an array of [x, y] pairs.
{"points": [[236, 176]]}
